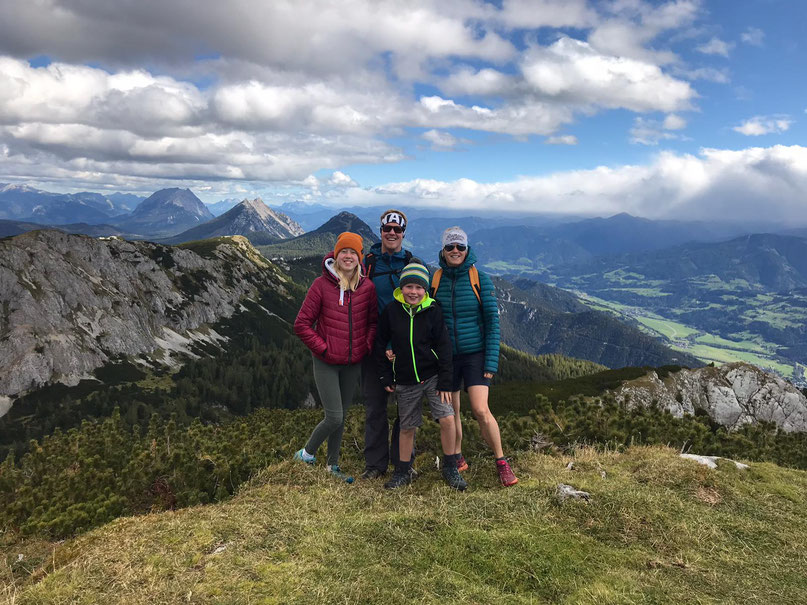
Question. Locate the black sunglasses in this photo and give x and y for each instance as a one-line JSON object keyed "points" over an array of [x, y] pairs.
{"points": [[388, 228], [450, 247]]}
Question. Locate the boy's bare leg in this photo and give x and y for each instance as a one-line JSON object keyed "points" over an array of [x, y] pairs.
{"points": [[405, 443], [447, 434], [488, 426], [455, 403]]}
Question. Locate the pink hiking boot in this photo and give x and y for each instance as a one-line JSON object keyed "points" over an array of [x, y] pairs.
{"points": [[506, 475]]}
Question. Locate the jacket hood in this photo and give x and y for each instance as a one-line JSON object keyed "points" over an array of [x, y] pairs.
{"points": [[470, 259], [328, 269]]}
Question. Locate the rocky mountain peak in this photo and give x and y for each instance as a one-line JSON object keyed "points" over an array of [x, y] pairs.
{"points": [[347, 221], [167, 211]]}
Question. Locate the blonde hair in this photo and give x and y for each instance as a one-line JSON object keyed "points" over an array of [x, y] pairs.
{"points": [[348, 282]]}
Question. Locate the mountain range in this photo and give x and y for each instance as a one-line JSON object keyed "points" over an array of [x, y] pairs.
{"points": [[27, 204]]}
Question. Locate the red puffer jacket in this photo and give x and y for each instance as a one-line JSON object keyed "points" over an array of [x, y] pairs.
{"points": [[345, 321]]}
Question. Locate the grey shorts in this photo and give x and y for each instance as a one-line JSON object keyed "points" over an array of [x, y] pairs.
{"points": [[409, 397]]}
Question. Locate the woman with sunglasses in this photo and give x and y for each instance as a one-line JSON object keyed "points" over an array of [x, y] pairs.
{"points": [[473, 325]]}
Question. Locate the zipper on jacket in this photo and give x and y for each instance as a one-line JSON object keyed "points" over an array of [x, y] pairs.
{"points": [[349, 327], [454, 314], [412, 343]]}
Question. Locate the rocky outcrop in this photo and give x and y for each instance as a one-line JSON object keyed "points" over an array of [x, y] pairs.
{"points": [[70, 303], [732, 395]]}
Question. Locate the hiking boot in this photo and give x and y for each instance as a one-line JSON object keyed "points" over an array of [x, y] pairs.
{"points": [[506, 475], [398, 480], [336, 472], [454, 479], [371, 473], [302, 457], [462, 463]]}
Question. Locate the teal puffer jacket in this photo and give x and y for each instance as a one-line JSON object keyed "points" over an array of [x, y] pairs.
{"points": [[472, 327]]}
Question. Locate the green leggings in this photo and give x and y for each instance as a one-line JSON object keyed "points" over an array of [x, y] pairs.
{"points": [[336, 385]]}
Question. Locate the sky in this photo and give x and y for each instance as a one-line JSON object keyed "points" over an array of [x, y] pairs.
{"points": [[688, 109]]}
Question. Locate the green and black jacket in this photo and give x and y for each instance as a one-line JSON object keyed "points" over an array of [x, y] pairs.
{"points": [[420, 341]]}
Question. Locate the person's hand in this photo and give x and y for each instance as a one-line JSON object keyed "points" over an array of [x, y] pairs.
{"points": [[487, 375], [389, 389], [390, 355], [445, 396]]}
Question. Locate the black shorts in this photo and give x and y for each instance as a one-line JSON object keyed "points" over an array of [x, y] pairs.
{"points": [[469, 369]]}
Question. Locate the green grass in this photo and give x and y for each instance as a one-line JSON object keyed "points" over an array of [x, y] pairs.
{"points": [[658, 529], [671, 330], [653, 292], [743, 345], [721, 355]]}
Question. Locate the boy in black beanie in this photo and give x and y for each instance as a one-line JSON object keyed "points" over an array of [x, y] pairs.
{"points": [[413, 326]]}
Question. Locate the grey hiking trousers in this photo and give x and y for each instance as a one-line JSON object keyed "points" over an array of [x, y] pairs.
{"points": [[336, 385]]}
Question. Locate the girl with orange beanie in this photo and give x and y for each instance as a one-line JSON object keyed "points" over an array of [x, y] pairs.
{"points": [[337, 321]]}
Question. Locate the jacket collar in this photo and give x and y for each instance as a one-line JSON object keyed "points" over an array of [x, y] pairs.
{"points": [[376, 249], [424, 304]]}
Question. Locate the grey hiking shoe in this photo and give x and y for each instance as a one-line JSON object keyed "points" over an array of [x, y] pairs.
{"points": [[337, 472], [398, 480], [371, 473], [454, 479]]}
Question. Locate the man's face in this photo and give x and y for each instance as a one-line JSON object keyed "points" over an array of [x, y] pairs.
{"points": [[413, 294], [392, 235]]}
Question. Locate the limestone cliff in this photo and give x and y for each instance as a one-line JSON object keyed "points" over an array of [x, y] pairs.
{"points": [[732, 395], [70, 303]]}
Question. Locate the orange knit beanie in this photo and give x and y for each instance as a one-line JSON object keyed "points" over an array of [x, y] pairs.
{"points": [[349, 239]]}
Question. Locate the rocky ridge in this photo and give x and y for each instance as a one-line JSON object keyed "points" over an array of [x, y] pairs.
{"points": [[732, 395], [71, 303]]}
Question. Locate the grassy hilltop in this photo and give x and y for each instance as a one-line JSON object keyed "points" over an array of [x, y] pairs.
{"points": [[658, 529]]}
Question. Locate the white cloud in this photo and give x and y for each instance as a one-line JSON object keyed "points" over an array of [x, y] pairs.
{"points": [[748, 184], [674, 122], [574, 71], [710, 74], [759, 125], [650, 132], [715, 46], [340, 179], [567, 139], [440, 140], [317, 35], [753, 36]]}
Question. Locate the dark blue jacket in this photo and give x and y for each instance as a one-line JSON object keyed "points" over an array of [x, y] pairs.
{"points": [[387, 273], [472, 327]]}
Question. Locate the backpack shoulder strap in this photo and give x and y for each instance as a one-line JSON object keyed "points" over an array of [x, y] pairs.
{"points": [[370, 259], [473, 273], [435, 282]]}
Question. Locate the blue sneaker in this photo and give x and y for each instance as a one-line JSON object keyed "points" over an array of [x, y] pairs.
{"points": [[337, 472], [304, 456]]}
